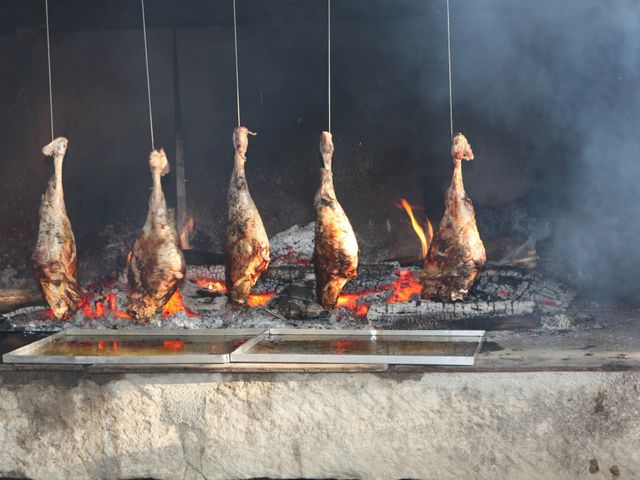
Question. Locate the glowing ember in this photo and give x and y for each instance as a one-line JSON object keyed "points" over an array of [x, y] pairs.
{"points": [[402, 290], [219, 286], [350, 302], [175, 305], [407, 285], [96, 306], [260, 299], [216, 286], [172, 345], [424, 238]]}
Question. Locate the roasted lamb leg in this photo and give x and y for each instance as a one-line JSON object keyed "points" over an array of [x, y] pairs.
{"points": [[157, 266], [456, 254], [54, 257], [246, 247], [335, 256]]}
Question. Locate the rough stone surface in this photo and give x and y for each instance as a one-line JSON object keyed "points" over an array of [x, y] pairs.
{"points": [[62, 425]]}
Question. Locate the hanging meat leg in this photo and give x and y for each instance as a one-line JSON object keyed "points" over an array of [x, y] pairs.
{"points": [[157, 266], [335, 256], [54, 257], [247, 245], [456, 254]]}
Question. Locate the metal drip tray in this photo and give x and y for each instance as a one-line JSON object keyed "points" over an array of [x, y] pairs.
{"points": [[76, 346], [417, 347]]}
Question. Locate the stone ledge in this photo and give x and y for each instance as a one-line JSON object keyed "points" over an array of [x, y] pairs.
{"points": [[65, 424]]}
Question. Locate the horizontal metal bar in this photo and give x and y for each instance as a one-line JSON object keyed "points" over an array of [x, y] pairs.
{"points": [[381, 333]]}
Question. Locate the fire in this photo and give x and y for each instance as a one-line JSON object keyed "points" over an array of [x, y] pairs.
{"points": [[260, 299], [219, 286], [216, 286], [96, 306], [350, 302], [402, 290], [185, 232], [175, 305], [425, 239], [406, 286]]}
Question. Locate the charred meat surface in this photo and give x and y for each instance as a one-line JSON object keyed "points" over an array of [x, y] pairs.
{"points": [[157, 266], [335, 255], [247, 245], [456, 254], [54, 257]]}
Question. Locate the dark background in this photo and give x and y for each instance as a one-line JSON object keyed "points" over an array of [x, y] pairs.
{"points": [[545, 91]]}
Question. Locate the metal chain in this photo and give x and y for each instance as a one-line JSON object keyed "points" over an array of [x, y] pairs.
{"points": [[329, 63], [46, 10], [449, 58], [146, 62], [235, 45]]}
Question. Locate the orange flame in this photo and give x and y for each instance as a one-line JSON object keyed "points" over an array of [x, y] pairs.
{"points": [[185, 232], [95, 306], [424, 238], [350, 302], [175, 305], [429, 230], [406, 286], [219, 286], [402, 290], [260, 299]]}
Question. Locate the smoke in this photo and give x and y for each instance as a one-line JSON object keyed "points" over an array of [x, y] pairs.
{"points": [[558, 82]]}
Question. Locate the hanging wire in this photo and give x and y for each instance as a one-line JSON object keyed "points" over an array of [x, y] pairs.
{"points": [[449, 58], [329, 63], [46, 12], [235, 45], [146, 62]]}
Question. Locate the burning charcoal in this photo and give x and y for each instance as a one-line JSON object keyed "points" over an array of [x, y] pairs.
{"points": [[54, 257], [335, 255], [157, 266], [456, 254], [247, 245]]}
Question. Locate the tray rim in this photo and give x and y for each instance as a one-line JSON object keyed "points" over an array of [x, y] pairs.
{"points": [[25, 355], [242, 355]]}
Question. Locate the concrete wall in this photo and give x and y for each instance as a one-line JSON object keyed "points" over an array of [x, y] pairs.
{"points": [[62, 425]]}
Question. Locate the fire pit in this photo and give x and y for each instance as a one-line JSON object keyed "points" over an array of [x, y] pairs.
{"points": [[385, 295]]}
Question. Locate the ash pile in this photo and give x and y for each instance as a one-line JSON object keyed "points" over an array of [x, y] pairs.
{"points": [[385, 295]]}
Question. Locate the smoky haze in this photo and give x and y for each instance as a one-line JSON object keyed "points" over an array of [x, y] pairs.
{"points": [[552, 88]]}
